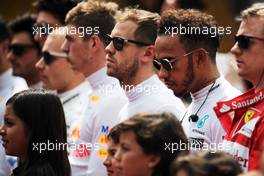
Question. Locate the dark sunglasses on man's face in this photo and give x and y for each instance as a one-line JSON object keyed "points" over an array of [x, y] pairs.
{"points": [[119, 42], [167, 62], [49, 56], [20, 49], [243, 41]]}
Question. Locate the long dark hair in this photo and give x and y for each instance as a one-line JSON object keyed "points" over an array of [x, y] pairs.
{"points": [[43, 114]]}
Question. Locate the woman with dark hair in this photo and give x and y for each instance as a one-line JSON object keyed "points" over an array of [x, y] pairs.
{"points": [[145, 144], [34, 130]]}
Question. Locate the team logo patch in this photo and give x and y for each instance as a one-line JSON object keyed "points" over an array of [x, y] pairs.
{"points": [[225, 108], [248, 115], [95, 98], [201, 122]]}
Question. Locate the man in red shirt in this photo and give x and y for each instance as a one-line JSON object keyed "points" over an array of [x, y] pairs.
{"points": [[242, 117]]}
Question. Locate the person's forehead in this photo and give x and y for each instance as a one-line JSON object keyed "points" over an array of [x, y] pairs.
{"points": [[51, 44], [46, 17], [252, 26], [22, 37], [168, 44], [124, 29]]}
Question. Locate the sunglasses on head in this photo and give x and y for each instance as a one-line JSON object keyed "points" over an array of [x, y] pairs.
{"points": [[243, 41], [119, 42], [20, 49], [167, 62], [49, 56]]}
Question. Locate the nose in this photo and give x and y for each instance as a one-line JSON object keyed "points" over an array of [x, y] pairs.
{"points": [[65, 46], [2, 130], [235, 50], [163, 73], [109, 49], [10, 56], [107, 162], [40, 64]]}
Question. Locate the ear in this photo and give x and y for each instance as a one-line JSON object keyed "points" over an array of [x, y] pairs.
{"points": [[201, 56], [149, 54], [4, 47], [95, 42], [153, 161]]}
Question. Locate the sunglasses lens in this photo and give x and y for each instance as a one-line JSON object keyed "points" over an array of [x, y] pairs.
{"points": [[156, 64], [243, 41], [47, 57], [118, 43], [166, 64], [17, 50]]}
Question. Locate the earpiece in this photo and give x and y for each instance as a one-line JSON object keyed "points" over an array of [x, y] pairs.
{"points": [[194, 118]]}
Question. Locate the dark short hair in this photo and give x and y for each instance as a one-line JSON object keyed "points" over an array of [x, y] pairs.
{"points": [[207, 164], [195, 19], [43, 115], [25, 23], [4, 32], [57, 8], [114, 134], [152, 132]]}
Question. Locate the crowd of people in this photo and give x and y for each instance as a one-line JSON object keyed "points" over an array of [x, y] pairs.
{"points": [[90, 89]]}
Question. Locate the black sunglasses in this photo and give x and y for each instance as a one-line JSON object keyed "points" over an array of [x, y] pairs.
{"points": [[119, 42], [50, 56], [167, 62], [20, 49], [243, 41]]}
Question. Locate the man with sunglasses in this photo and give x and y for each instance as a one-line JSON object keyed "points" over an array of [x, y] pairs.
{"points": [[130, 52], [186, 62], [9, 85], [57, 74], [85, 49], [243, 117], [50, 15], [24, 52]]}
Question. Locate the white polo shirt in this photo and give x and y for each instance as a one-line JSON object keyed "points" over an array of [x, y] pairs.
{"points": [[151, 96], [207, 133], [107, 99]]}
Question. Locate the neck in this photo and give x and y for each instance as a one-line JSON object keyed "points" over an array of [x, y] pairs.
{"points": [[75, 81], [4, 66], [259, 83], [34, 79], [208, 78], [96, 64], [141, 75]]}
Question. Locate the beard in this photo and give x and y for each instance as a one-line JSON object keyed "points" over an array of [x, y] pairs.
{"points": [[188, 80]]}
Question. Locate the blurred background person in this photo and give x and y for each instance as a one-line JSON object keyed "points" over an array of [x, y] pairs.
{"points": [[34, 118], [50, 14], [24, 52]]}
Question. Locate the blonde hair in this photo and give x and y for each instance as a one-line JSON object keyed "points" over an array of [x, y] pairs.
{"points": [[256, 10]]}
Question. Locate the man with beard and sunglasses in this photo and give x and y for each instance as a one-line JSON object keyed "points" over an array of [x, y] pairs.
{"points": [[9, 85], [56, 73], [85, 48], [130, 52], [186, 62], [243, 117], [24, 52]]}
